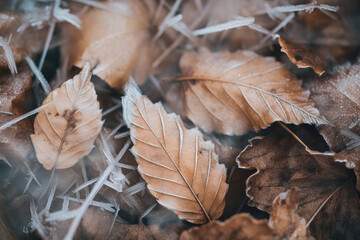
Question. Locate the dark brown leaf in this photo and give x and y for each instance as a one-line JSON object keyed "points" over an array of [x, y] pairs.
{"points": [[326, 188], [15, 142], [22, 43], [338, 99]]}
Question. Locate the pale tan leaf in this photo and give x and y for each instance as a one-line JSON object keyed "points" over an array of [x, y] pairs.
{"points": [[284, 223], [112, 41], [180, 168], [66, 130], [233, 93]]}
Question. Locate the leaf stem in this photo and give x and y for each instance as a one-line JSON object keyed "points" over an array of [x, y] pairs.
{"points": [[302, 143]]}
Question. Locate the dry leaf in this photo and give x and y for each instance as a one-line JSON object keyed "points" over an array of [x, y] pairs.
{"points": [[233, 93], [67, 128], [22, 43], [338, 99], [15, 143], [284, 223], [180, 168], [303, 56], [112, 40], [240, 227], [351, 157], [325, 187]]}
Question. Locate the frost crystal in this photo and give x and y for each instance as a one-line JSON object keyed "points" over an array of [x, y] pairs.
{"points": [[4, 43]]}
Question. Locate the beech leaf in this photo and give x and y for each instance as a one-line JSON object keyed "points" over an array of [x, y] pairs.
{"points": [[233, 93], [284, 223], [338, 99], [303, 56], [67, 128], [328, 199], [110, 40], [180, 168]]}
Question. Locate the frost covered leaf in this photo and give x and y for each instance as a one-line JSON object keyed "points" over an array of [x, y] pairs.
{"points": [[303, 56], [15, 45], [66, 130], [351, 157], [112, 41], [233, 93], [15, 143], [284, 223], [180, 168], [338, 99], [324, 186]]}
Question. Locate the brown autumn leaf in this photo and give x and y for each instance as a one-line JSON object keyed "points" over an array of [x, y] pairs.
{"points": [[338, 99], [15, 143], [22, 43], [284, 223], [351, 157], [303, 56], [66, 129], [180, 168], [233, 93], [114, 40], [327, 189]]}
